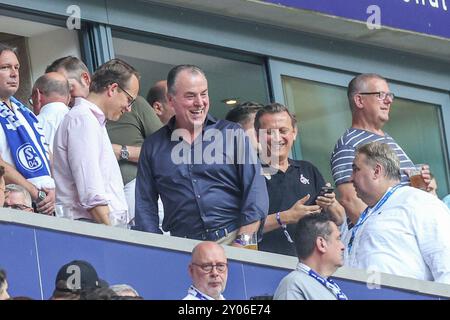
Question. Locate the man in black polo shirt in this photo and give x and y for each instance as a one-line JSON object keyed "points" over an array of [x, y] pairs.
{"points": [[293, 186]]}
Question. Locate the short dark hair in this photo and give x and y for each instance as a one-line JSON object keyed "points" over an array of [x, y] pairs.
{"points": [[308, 229], [7, 47], [72, 65], [271, 109], [175, 71], [2, 171], [113, 71], [156, 93], [241, 113], [47, 85]]}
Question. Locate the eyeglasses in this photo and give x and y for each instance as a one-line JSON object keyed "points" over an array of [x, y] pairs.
{"points": [[381, 95], [130, 97], [17, 206], [207, 268]]}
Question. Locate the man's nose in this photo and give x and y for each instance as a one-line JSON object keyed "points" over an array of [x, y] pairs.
{"points": [[197, 100], [14, 73]]}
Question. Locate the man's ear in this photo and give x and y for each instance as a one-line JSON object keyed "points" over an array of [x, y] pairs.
{"points": [[357, 101], [157, 106], [111, 89], [321, 244], [86, 78], [378, 171], [36, 97]]}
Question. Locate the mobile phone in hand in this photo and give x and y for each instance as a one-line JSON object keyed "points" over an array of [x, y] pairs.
{"points": [[323, 191]]}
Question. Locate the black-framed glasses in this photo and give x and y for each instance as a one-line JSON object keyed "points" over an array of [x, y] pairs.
{"points": [[381, 95], [131, 100], [208, 267]]}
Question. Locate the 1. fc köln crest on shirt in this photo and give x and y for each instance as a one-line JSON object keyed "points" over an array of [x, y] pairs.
{"points": [[303, 179]]}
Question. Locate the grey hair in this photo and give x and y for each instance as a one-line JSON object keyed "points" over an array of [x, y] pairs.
{"points": [[359, 84], [124, 290], [48, 85], [382, 153], [17, 188]]}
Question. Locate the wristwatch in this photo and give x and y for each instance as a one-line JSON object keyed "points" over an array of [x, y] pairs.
{"points": [[41, 196], [242, 239], [124, 153]]}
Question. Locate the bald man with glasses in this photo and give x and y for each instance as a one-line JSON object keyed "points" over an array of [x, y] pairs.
{"points": [[209, 272], [370, 101]]}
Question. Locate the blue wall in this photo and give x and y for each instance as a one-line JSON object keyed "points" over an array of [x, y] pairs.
{"points": [[156, 273]]}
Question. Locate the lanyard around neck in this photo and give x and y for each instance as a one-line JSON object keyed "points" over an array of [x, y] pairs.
{"points": [[328, 283], [367, 213], [193, 291]]}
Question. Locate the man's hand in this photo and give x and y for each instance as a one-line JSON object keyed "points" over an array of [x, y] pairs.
{"points": [[298, 211], [47, 206], [327, 200], [425, 173], [329, 203]]}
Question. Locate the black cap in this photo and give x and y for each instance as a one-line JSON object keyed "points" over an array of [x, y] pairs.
{"points": [[78, 275]]}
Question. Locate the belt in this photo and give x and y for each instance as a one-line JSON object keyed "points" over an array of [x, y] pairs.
{"points": [[218, 233], [212, 235]]}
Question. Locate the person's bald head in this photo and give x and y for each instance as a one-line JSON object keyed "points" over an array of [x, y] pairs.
{"points": [[48, 88], [208, 268], [157, 98]]}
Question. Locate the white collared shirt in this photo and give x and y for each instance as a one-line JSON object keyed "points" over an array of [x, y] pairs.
{"points": [[50, 117], [195, 294], [408, 236]]}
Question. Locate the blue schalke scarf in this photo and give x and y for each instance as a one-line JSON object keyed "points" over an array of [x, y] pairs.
{"points": [[30, 160]]}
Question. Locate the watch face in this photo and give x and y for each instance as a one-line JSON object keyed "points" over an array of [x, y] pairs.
{"points": [[41, 195], [124, 154]]}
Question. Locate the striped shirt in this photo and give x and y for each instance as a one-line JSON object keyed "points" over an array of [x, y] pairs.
{"points": [[344, 153]]}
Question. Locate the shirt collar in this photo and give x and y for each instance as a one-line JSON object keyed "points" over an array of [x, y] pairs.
{"points": [[96, 111], [54, 106], [209, 120], [267, 169], [199, 295]]}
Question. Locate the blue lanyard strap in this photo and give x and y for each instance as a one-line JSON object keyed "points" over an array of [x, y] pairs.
{"points": [[328, 283], [366, 214], [194, 292]]}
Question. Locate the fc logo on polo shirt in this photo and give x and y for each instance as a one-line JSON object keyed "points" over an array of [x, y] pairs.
{"points": [[303, 179]]}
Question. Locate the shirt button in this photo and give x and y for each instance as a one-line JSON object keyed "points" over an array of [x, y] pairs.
{"points": [[194, 181], [198, 196]]}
